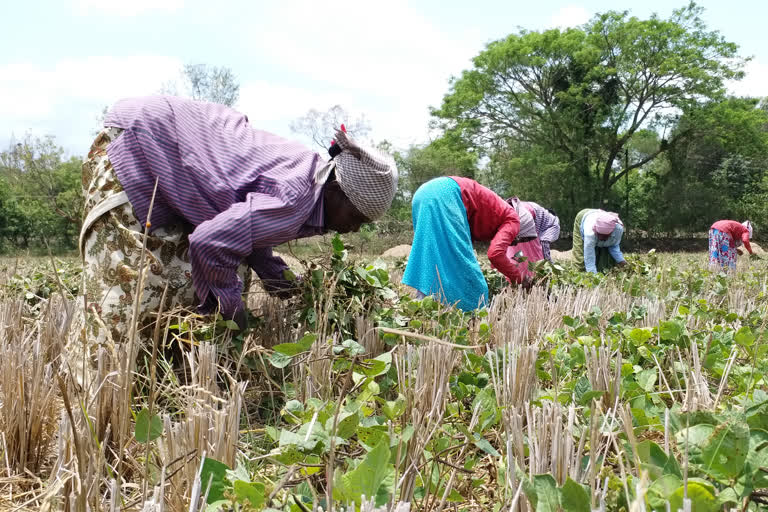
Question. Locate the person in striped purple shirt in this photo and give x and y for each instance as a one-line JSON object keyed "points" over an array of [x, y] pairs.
{"points": [[226, 194]]}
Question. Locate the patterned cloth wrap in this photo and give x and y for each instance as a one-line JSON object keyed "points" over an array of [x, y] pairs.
{"points": [[369, 181], [530, 247], [532, 251], [442, 261], [721, 254], [111, 257]]}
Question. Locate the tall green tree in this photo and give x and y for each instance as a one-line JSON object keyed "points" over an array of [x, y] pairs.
{"points": [[445, 156], [40, 194], [583, 93], [718, 172]]}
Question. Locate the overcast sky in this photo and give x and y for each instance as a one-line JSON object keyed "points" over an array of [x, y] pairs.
{"points": [[63, 61]]}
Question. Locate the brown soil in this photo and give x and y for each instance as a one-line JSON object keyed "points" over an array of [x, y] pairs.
{"points": [[399, 251]]}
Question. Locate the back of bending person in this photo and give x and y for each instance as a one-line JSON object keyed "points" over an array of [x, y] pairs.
{"points": [[725, 237], [449, 213], [596, 240]]}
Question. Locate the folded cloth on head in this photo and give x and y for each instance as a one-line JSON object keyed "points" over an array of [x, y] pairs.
{"points": [[606, 222], [367, 176], [748, 225]]}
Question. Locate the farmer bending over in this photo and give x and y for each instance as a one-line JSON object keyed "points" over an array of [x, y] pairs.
{"points": [[227, 193], [597, 240], [448, 214]]}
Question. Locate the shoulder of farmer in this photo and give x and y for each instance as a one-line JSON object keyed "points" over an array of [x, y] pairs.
{"points": [[465, 184], [489, 200]]}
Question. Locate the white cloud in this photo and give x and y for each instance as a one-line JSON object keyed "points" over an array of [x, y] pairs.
{"points": [[66, 98], [126, 7], [569, 16], [755, 83], [386, 60]]}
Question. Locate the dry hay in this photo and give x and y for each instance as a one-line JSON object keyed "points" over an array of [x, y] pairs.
{"points": [[397, 252]]}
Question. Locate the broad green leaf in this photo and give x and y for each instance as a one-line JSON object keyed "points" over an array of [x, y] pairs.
{"points": [[670, 330], [353, 348], [702, 499], [289, 349], [272, 432], [696, 436], [279, 360], [582, 387], [486, 446], [386, 488], [646, 379], [251, 492], [371, 436], [311, 470], [654, 460], [288, 454], [147, 428], [346, 424], [214, 472], [574, 497], [292, 349], [757, 416], [640, 336], [231, 325], [371, 367], [239, 473], [366, 478], [758, 458], [293, 408], [309, 440], [587, 397], [393, 409], [542, 492], [661, 490], [744, 337], [453, 497], [338, 244], [728, 496], [725, 450]]}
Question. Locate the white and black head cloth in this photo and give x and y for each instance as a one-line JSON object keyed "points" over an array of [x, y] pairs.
{"points": [[367, 176], [748, 225]]}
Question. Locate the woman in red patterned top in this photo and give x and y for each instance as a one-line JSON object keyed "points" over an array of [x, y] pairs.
{"points": [[725, 236], [449, 213]]}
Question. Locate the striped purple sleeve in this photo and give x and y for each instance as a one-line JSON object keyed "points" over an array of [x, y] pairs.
{"points": [[216, 248]]}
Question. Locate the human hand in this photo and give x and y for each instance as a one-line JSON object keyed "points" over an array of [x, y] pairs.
{"points": [[739, 252], [754, 256], [527, 283]]}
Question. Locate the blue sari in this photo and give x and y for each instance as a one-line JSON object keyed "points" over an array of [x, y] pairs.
{"points": [[442, 260]]}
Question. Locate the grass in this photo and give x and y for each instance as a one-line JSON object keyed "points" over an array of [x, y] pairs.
{"points": [[611, 393]]}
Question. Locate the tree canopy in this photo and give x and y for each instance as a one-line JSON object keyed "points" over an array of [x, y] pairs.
{"points": [[575, 101]]}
